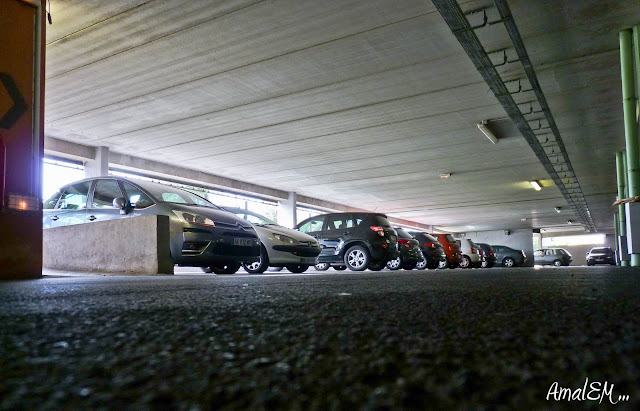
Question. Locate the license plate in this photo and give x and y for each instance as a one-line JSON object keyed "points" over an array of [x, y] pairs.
{"points": [[243, 241]]}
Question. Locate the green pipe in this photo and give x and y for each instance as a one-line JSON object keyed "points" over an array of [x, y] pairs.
{"points": [[620, 173], [616, 234], [636, 60]]}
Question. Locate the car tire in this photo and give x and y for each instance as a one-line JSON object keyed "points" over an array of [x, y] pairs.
{"points": [[357, 258], [339, 267], [557, 263], [484, 264], [376, 265], [409, 266], [509, 262], [466, 262], [220, 269], [298, 268], [322, 266], [590, 262], [259, 266], [443, 264], [395, 264], [422, 264]]}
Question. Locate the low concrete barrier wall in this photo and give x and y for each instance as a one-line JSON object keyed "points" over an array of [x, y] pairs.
{"points": [[137, 245]]}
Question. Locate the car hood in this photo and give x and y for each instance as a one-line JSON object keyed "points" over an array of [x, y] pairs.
{"points": [[220, 217], [265, 231]]}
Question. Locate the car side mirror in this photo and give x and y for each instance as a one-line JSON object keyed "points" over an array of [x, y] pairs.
{"points": [[122, 204]]}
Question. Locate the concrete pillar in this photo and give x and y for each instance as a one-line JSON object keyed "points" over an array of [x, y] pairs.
{"points": [[99, 166], [621, 229], [287, 210], [21, 138]]}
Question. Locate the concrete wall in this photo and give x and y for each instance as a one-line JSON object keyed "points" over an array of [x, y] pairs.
{"points": [[138, 245], [519, 239]]}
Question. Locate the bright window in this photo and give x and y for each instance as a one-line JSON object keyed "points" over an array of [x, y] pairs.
{"points": [[584, 239]]}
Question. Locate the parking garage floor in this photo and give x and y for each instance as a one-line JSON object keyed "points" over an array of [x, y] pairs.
{"points": [[333, 340]]}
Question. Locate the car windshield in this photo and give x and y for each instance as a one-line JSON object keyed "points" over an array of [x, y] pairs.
{"points": [[174, 195], [254, 218], [601, 250], [449, 238]]}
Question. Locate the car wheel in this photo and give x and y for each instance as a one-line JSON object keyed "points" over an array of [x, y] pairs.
{"points": [[297, 268], [443, 264], [357, 258], [207, 270], [409, 266], [590, 262], [484, 264], [466, 262], [322, 266], [508, 262], [395, 264], [339, 267], [421, 265], [557, 263], [260, 266], [225, 268], [376, 265]]}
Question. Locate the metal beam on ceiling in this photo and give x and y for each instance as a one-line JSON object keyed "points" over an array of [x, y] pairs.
{"points": [[537, 131]]}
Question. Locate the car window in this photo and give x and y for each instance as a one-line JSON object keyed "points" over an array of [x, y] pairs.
{"points": [[105, 192], [449, 238], [381, 221], [254, 218], [313, 225], [75, 196], [430, 238], [339, 222], [51, 202], [538, 253], [175, 195], [402, 233], [136, 197]]}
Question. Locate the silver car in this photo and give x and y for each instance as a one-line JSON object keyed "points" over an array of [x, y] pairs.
{"points": [[201, 233], [281, 246]]}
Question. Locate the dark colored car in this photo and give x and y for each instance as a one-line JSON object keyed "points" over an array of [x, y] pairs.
{"points": [[552, 256], [489, 255], [354, 240], [201, 233], [410, 254], [432, 251], [451, 249], [601, 255], [508, 257]]}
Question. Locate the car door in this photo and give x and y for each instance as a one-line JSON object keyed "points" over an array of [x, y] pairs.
{"points": [[499, 252], [101, 205], [71, 208], [313, 227], [338, 229]]}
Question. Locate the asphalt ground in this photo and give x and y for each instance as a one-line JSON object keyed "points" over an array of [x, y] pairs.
{"points": [[446, 339]]}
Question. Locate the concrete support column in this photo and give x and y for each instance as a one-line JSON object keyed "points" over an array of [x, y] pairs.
{"points": [[616, 226], [99, 166], [287, 210], [630, 122]]}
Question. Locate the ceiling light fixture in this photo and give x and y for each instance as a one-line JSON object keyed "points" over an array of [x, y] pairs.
{"points": [[569, 222], [536, 185], [483, 127], [558, 209], [445, 175]]}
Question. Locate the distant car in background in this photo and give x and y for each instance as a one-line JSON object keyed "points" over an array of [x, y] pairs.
{"points": [[410, 254], [601, 255], [552, 256], [356, 240], [471, 257], [280, 246], [489, 255], [201, 234], [432, 251], [451, 249], [508, 257]]}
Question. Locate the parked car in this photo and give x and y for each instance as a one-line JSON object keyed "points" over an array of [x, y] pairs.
{"points": [[601, 255], [451, 250], [489, 255], [509, 257], [410, 254], [555, 256], [432, 251], [201, 233], [354, 240], [280, 246], [471, 257]]}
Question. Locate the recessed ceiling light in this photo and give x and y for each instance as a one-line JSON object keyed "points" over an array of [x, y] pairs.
{"points": [[536, 185], [445, 175]]}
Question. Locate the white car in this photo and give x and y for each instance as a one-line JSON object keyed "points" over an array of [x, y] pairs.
{"points": [[470, 253], [281, 246]]}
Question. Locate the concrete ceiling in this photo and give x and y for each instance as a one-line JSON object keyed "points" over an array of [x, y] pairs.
{"points": [[362, 103]]}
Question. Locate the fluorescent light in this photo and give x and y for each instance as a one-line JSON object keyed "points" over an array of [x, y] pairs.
{"points": [[569, 222], [535, 184], [445, 175], [483, 127], [558, 209]]}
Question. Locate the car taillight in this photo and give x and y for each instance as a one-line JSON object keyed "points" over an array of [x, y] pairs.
{"points": [[430, 245], [490, 253], [474, 251], [378, 230], [404, 242]]}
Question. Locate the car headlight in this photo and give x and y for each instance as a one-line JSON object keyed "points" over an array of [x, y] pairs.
{"points": [[193, 218], [285, 238]]}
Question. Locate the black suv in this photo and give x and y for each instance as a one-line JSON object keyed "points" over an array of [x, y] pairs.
{"points": [[601, 255], [354, 240], [432, 251], [410, 254]]}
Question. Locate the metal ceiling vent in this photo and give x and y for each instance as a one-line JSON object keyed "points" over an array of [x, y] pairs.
{"points": [[525, 105]]}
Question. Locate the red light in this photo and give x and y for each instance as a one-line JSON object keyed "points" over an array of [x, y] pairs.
{"points": [[403, 242], [430, 245], [378, 230]]}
